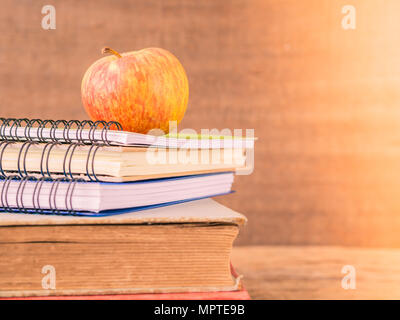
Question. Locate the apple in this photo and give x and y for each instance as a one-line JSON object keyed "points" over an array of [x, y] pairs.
{"points": [[142, 90]]}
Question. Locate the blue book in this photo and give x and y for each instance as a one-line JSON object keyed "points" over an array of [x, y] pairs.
{"points": [[96, 199]]}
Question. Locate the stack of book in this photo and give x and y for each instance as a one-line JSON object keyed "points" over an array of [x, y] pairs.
{"points": [[91, 211]]}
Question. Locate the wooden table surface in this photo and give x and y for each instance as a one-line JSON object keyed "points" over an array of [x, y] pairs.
{"points": [[315, 272]]}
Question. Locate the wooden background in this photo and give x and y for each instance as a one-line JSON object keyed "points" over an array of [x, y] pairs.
{"points": [[324, 101]]}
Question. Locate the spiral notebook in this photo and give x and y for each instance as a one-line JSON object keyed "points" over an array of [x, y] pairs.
{"points": [[72, 197], [110, 133]]}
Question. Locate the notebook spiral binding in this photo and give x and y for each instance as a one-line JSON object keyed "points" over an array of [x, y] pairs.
{"points": [[12, 135], [52, 197]]}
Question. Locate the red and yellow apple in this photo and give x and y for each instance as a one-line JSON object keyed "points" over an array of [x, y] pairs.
{"points": [[142, 90]]}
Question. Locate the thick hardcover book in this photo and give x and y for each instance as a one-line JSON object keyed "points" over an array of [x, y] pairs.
{"points": [[180, 248], [112, 163]]}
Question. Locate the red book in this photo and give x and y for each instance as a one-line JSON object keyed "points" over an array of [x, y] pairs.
{"points": [[222, 295]]}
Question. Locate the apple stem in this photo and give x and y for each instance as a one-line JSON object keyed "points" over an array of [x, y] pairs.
{"points": [[112, 51]]}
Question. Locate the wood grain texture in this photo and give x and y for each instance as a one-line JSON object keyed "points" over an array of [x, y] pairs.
{"points": [[323, 101], [314, 272]]}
